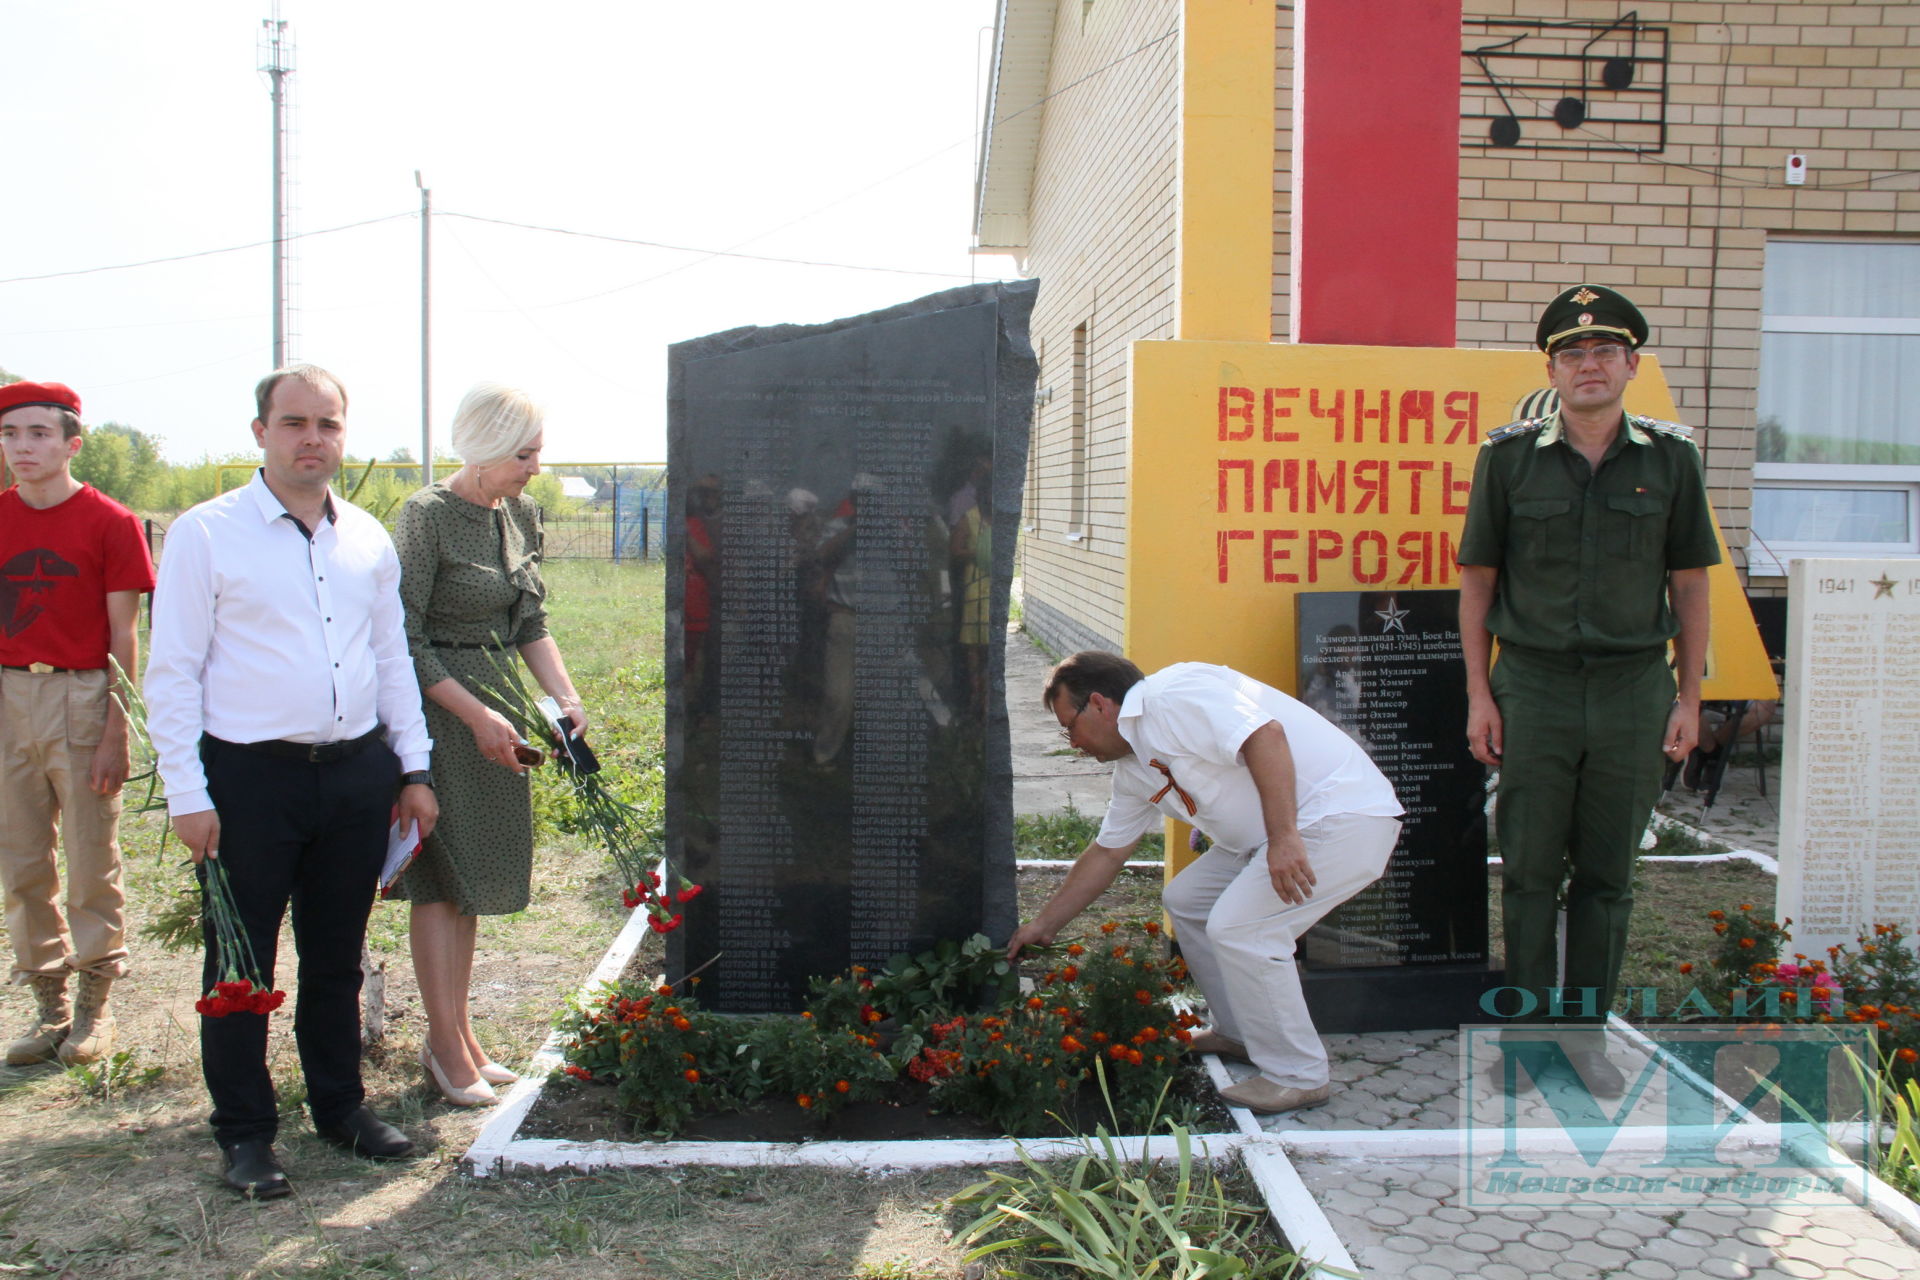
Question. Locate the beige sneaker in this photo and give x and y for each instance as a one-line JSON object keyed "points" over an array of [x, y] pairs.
{"points": [[1214, 1042], [1260, 1094], [43, 1042], [91, 1036]]}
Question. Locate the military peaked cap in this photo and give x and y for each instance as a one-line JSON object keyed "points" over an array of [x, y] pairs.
{"points": [[1590, 308]]}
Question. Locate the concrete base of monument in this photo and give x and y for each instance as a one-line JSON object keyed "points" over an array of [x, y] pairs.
{"points": [[1399, 998]]}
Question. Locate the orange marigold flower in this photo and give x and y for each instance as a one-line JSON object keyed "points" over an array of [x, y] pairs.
{"points": [[692, 1076], [687, 1057], [1134, 1056], [664, 991], [682, 1024], [1120, 953], [1686, 968], [1720, 928], [1144, 997], [1746, 906], [1907, 1055], [1871, 1010], [1883, 1024], [1821, 993], [1716, 915], [1152, 927], [806, 1015], [1035, 1002], [1746, 943], [1099, 1037], [1117, 1052], [1109, 926], [1076, 949], [1069, 973], [1071, 1045], [805, 1100], [1867, 947], [841, 1086]]}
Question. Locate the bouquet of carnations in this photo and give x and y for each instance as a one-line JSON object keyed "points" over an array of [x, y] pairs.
{"points": [[621, 828], [238, 988]]}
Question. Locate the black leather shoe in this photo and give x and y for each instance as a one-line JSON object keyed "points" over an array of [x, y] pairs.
{"points": [[253, 1170], [1602, 1078], [366, 1134]]}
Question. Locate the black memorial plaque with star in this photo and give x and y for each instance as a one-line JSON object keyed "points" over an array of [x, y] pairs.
{"points": [[1386, 667], [844, 500]]}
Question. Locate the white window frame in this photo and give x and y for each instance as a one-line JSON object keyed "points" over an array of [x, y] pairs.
{"points": [[1770, 559]]}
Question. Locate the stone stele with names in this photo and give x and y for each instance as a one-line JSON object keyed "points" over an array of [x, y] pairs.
{"points": [[844, 500], [1850, 774]]}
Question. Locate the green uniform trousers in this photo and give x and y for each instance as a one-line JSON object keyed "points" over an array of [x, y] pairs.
{"points": [[1580, 769]]}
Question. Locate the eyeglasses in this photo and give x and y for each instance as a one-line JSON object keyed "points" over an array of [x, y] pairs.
{"points": [[1066, 730], [1604, 352]]}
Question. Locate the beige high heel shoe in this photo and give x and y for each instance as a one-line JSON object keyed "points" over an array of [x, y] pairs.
{"points": [[494, 1073], [477, 1094]]}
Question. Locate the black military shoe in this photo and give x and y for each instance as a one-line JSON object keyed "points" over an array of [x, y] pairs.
{"points": [[365, 1134], [253, 1170]]}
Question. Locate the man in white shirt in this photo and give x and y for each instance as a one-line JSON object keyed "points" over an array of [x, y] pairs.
{"points": [[284, 708], [1299, 818]]}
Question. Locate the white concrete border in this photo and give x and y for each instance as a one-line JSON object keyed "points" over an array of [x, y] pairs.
{"points": [[496, 1149]]}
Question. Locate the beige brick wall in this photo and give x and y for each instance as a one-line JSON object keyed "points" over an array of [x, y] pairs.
{"points": [[1102, 219], [1684, 232]]}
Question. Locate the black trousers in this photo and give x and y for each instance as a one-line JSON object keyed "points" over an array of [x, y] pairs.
{"points": [[313, 835]]}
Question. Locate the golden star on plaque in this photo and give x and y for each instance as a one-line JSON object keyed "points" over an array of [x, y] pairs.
{"points": [[1883, 585], [1583, 297]]}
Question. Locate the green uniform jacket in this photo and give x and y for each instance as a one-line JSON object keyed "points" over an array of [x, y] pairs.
{"points": [[1584, 554]]}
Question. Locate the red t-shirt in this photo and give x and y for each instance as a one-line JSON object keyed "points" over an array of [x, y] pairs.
{"points": [[56, 568]]}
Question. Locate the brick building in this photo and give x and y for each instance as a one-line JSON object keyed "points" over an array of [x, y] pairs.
{"points": [[1786, 316]]}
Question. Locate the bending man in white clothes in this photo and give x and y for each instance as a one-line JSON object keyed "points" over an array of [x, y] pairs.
{"points": [[1299, 818]]}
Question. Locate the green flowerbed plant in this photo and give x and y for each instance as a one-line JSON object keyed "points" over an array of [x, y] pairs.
{"points": [[1875, 981], [954, 1019]]}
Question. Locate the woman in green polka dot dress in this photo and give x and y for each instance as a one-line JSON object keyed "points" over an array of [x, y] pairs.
{"points": [[470, 577]]}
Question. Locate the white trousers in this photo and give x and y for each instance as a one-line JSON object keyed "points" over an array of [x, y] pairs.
{"points": [[1238, 938]]}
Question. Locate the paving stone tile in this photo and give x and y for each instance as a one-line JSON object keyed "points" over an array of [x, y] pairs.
{"points": [[1450, 1213], [1373, 1118], [1478, 1242], [1693, 1237], [1799, 1268], [1615, 1238], [1386, 1215], [1725, 1269], [1434, 1189], [1523, 1213], [1550, 1241], [1827, 1235], [1431, 1271], [1599, 1255], [1651, 1269], [1569, 1269], [1502, 1271], [1871, 1269], [1408, 1244], [1501, 1227], [1684, 1257], [1830, 1258], [1764, 1237]]}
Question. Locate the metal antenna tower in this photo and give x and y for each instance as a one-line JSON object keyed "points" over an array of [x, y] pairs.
{"points": [[276, 57]]}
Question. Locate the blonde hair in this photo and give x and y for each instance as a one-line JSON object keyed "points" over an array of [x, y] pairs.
{"points": [[494, 422]]}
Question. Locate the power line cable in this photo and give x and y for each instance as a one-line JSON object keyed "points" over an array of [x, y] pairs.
{"points": [[203, 253]]}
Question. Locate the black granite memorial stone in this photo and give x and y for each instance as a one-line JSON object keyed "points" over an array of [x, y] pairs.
{"points": [[1411, 949], [844, 500]]}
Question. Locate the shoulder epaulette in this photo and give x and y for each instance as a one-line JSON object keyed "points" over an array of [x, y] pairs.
{"points": [[1678, 430], [1525, 426]]}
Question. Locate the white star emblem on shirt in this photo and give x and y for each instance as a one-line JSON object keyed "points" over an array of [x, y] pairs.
{"points": [[1391, 616]]}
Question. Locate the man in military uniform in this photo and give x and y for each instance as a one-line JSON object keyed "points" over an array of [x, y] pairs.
{"points": [[1586, 547]]}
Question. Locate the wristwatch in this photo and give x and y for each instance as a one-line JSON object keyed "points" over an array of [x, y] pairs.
{"points": [[417, 778]]}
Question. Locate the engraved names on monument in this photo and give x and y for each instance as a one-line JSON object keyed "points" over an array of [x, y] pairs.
{"points": [[1850, 802], [1386, 667], [845, 498]]}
